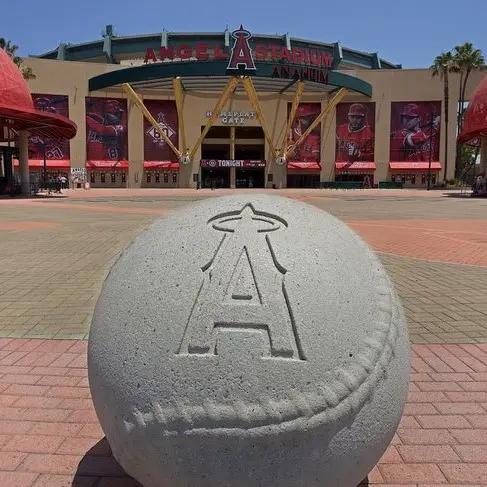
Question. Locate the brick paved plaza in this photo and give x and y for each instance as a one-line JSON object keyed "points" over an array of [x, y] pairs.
{"points": [[55, 254]]}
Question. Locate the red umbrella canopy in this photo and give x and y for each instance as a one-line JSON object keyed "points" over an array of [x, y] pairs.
{"points": [[475, 122], [17, 110]]}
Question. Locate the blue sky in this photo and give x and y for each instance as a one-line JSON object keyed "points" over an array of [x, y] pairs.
{"points": [[408, 32]]}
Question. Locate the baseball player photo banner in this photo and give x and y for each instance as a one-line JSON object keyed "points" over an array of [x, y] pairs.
{"points": [[54, 149], [355, 132], [106, 129], [310, 149], [415, 131], [155, 147]]}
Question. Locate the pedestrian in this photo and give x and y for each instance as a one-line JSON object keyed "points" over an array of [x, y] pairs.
{"points": [[58, 184]]}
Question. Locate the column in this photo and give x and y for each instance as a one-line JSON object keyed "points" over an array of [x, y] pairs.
{"points": [[382, 136], [483, 156], [233, 170], [23, 146], [135, 146], [328, 142]]}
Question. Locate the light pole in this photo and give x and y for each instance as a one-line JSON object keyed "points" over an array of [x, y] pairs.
{"points": [[430, 153], [44, 175]]}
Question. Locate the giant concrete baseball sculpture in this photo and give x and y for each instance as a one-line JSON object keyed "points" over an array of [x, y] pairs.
{"points": [[248, 341]]}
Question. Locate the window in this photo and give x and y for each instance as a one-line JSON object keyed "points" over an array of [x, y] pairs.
{"points": [[166, 177], [174, 177], [102, 177], [158, 177], [124, 177], [92, 177], [423, 178], [113, 177], [433, 179], [413, 179], [217, 132], [149, 177], [393, 178]]}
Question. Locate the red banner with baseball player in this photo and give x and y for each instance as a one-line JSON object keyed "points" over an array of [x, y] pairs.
{"points": [[415, 131], [155, 147], [310, 149], [106, 129], [54, 149], [355, 132]]}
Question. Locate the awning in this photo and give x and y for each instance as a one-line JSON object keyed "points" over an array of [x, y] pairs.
{"points": [[475, 121], [167, 165], [50, 164], [303, 166], [17, 111], [414, 166], [107, 165], [355, 166]]}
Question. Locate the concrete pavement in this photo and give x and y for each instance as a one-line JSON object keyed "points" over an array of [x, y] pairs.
{"points": [[55, 254]]}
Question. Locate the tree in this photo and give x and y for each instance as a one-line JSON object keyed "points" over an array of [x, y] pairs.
{"points": [[11, 50], [466, 59], [442, 65]]}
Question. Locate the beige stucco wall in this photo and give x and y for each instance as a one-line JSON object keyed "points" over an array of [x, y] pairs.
{"points": [[71, 78]]}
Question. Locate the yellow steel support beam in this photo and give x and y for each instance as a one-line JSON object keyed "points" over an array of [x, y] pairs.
{"points": [[226, 94], [283, 138], [254, 101], [179, 96], [136, 99], [342, 92]]}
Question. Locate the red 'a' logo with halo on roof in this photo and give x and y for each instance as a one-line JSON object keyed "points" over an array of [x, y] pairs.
{"points": [[241, 53]]}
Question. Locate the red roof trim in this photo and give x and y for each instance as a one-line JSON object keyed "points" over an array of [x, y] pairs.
{"points": [[304, 166], [107, 165], [50, 164], [355, 166], [174, 166], [414, 165]]}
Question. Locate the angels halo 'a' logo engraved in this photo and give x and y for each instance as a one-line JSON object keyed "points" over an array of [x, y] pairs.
{"points": [[241, 53], [243, 288]]}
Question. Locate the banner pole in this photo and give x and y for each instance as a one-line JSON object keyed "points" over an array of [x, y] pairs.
{"points": [[136, 99], [179, 96], [254, 101], [283, 138], [226, 94], [342, 92]]}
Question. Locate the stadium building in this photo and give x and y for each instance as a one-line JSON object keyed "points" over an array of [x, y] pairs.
{"points": [[238, 109]]}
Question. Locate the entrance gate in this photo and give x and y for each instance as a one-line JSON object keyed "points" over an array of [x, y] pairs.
{"points": [[215, 173], [175, 79]]}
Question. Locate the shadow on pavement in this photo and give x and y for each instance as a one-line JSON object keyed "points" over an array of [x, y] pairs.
{"points": [[98, 463], [34, 197]]}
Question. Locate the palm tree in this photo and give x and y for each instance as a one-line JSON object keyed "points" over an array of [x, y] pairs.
{"points": [[11, 50], [466, 60], [442, 65]]}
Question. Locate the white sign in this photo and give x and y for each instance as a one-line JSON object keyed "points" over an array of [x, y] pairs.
{"points": [[78, 174], [233, 117], [156, 136]]}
